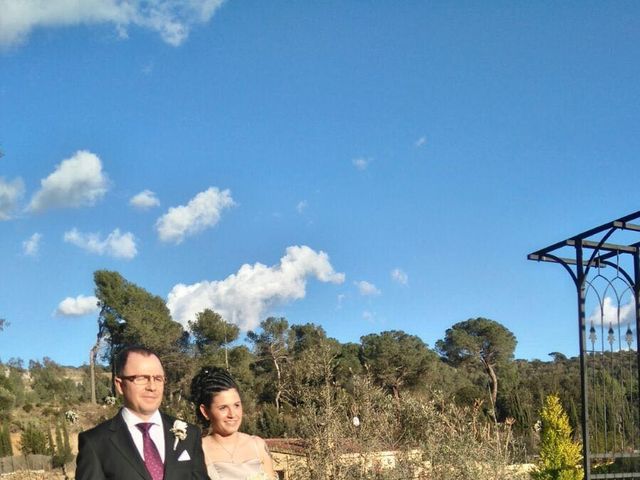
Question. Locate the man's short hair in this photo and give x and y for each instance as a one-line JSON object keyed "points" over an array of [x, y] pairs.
{"points": [[123, 356]]}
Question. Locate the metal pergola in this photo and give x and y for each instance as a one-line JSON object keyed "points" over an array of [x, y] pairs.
{"points": [[604, 263]]}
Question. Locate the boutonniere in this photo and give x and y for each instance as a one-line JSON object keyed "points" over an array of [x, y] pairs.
{"points": [[179, 431]]}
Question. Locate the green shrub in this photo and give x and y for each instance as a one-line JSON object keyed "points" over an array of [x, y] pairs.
{"points": [[34, 440], [6, 450], [560, 456]]}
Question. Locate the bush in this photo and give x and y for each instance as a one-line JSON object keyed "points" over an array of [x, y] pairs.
{"points": [[34, 441], [560, 456], [6, 450]]}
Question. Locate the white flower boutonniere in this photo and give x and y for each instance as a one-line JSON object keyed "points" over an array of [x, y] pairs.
{"points": [[179, 431]]}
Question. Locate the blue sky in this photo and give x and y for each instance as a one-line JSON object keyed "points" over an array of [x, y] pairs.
{"points": [[364, 166]]}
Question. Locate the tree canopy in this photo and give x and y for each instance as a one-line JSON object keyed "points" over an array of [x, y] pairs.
{"points": [[479, 340]]}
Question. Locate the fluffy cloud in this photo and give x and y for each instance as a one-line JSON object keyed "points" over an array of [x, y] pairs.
{"points": [[118, 245], [76, 182], [77, 307], [244, 297], [361, 163], [172, 19], [31, 245], [10, 193], [144, 200], [399, 276], [366, 288], [609, 313], [203, 211]]}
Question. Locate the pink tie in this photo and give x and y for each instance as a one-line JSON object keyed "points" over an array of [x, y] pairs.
{"points": [[152, 459]]}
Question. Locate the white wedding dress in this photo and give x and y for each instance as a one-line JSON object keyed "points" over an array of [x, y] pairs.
{"points": [[247, 470], [234, 471]]}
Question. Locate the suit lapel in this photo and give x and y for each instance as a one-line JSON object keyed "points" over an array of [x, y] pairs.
{"points": [[170, 455], [121, 438]]}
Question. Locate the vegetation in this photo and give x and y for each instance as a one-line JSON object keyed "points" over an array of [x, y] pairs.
{"points": [[6, 449], [560, 456], [34, 441], [465, 409]]}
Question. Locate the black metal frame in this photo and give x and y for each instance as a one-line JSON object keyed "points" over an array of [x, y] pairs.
{"points": [[579, 265]]}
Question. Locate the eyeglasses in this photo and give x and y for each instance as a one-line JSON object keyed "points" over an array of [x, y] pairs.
{"points": [[144, 379]]}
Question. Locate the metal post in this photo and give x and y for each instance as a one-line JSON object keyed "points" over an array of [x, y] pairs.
{"points": [[582, 332]]}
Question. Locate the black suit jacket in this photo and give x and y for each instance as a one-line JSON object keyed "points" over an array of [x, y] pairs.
{"points": [[107, 452]]}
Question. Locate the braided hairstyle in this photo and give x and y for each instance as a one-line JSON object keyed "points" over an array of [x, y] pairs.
{"points": [[207, 383]]}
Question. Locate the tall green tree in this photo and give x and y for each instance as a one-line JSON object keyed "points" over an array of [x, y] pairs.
{"points": [[131, 315], [213, 334], [271, 348], [396, 359], [479, 340]]}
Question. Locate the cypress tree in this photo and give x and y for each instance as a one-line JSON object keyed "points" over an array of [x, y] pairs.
{"points": [[560, 456], [5, 441]]}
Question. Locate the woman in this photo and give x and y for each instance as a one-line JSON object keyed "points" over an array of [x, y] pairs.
{"points": [[229, 454]]}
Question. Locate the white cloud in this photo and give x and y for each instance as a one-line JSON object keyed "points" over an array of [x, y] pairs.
{"points": [[76, 182], [399, 276], [366, 288], [31, 246], [172, 19], [420, 142], [361, 163], [244, 297], [10, 193], [301, 206], [77, 307], [144, 200], [609, 313], [203, 211], [118, 245]]}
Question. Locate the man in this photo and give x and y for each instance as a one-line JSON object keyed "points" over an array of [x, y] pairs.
{"points": [[140, 442]]}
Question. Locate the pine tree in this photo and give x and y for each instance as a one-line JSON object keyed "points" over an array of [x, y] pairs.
{"points": [[560, 456]]}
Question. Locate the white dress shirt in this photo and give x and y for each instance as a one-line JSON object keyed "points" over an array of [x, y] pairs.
{"points": [[156, 432]]}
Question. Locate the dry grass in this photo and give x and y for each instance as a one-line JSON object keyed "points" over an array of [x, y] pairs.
{"points": [[32, 475]]}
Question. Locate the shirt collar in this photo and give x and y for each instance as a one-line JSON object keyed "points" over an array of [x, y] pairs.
{"points": [[131, 419]]}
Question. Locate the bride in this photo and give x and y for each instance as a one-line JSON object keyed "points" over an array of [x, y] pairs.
{"points": [[229, 454]]}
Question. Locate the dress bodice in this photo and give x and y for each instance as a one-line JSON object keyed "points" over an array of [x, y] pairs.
{"points": [[248, 470], [234, 471]]}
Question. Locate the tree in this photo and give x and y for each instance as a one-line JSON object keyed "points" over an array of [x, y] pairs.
{"points": [[271, 347], [479, 340], [212, 333], [395, 359], [61, 452], [129, 315], [559, 455]]}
